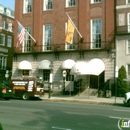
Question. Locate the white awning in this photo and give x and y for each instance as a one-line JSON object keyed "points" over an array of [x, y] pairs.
{"points": [[44, 64], [80, 68], [93, 67], [24, 65], [96, 66], [68, 64]]}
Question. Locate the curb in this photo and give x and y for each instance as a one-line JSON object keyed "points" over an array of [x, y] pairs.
{"points": [[80, 101]]}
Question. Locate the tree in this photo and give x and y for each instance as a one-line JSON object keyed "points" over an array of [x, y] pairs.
{"points": [[122, 86]]}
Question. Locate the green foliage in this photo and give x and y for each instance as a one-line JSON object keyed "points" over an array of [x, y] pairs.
{"points": [[122, 86]]}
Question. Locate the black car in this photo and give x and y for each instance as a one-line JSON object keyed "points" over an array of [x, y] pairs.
{"points": [[6, 92]]}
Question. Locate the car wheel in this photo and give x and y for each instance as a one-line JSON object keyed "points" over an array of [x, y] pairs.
{"points": [[6, 98], [128, 103], [25, 96]]}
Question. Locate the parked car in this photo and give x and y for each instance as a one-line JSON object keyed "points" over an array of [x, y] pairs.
{"points": [[127, 99], [6, 92]]}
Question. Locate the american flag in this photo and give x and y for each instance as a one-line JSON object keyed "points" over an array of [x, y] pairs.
{"points": [[21, 34]]}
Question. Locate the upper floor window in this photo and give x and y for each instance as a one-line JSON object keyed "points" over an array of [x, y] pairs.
{"points": [[9, 42], [1, 9], [2, 39], [70, 3], [27, 40], [3, 23], [10, 26], [47, 38], [27, 6], [96, 1], [48, 4], [96, 33]]}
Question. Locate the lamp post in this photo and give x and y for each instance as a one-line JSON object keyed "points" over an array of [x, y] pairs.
{"points": [[51, 79], [64, 73]]}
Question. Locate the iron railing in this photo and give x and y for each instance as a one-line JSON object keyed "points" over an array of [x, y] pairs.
{"points": [[65, 47], [123, 29]]}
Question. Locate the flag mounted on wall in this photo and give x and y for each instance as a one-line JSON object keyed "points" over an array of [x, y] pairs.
{"points": [[70, 32], [21, 34]]}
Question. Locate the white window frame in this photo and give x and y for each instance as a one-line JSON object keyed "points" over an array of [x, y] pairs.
{"points": [[8, 12], [2, 39], [127, 1], [128, 70], [47, 5], [3, 61], [10, 26], [95, 39], [9, 41], [27, 41], [70, 3], [95, 1], [128, 21], [3, 24], [27, 6], [70, 46], [1, 9], [47, 37]]}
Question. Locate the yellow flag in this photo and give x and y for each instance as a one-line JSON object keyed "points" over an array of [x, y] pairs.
{"points": [[70, 32]]}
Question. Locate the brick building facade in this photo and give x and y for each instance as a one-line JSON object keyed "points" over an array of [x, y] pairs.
{"points": [[46, 21]]}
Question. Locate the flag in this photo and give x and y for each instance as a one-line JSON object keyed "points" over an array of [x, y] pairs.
{"points": [[21, 34], [70, 32]]}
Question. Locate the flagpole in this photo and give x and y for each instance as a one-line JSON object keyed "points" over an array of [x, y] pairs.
{"points": [[27, 32], [74, 25]]}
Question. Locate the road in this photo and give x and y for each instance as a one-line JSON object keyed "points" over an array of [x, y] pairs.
{"points": [[47, 115]]}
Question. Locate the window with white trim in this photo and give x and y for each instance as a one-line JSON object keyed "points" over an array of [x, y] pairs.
{"points": [[69, 77], [26, 72], [2, 39], [3, 23], [1, 9], [46, 75], [27, 40], [96, 33], [10, 26], [3, 62], [128, 70], [47, 38], [71, 46], [48, 4], [9, 41], [27, 6], [128, 21], [96, 1], [127, 1], [70, 3]]}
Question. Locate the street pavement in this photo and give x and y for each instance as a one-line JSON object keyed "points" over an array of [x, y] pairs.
{"points": [[85, 99]]}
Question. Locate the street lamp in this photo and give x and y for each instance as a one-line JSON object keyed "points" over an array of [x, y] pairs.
{"points": [[64, 73], [51, 78]]}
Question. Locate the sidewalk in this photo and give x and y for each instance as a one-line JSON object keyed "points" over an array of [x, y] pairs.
{"points": [[85, 99]]}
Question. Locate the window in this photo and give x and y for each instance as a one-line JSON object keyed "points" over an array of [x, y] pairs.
{"points": [[2, 39], [27, 6], [1, 9], [128, 21], [70, 3], [8, 12], [96, 1], [72, 46], [10, 26], [96, 33], [3, 24], [3, 62], [68, 76], [9, 42], [127, 1], [46, 75], [25, 72], [27, 40], [48, 4], [128, 70], [47, 40]]}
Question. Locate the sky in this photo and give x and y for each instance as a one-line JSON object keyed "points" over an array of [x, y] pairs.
{"points": [[8, 3]]}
